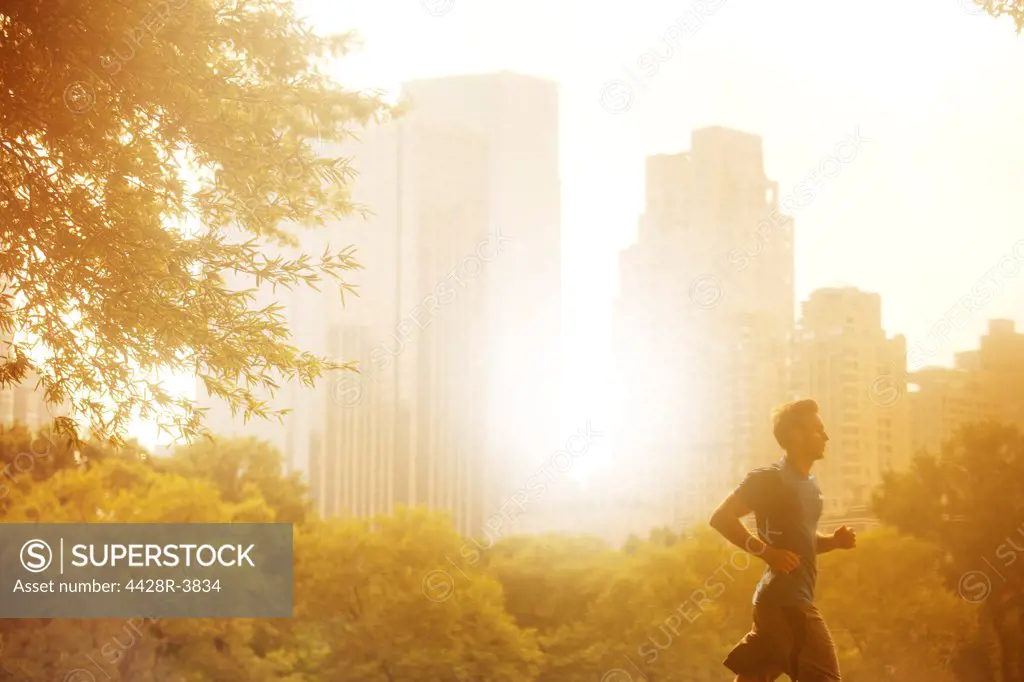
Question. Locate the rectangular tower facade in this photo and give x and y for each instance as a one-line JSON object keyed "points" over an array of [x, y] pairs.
{"points": [[843, 359], [517, 118], [408, 429], [702, 325]]}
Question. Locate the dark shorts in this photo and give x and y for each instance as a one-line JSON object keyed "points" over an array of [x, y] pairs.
{"points": [[791, 640]]}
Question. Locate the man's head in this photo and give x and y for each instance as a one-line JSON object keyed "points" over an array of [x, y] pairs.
{"points": [[799, 430]]}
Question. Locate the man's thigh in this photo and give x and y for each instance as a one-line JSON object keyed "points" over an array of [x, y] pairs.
{"points": [[764, 653], [817, 660]]}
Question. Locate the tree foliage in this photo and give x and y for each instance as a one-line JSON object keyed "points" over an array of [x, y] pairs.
{"points": [[966, 500], [1000, 8], [147, 150], [403, 597]]}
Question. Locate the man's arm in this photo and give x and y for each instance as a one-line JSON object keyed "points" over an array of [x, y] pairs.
{"points": [[842, 538], [826, 543], [726, 520]]}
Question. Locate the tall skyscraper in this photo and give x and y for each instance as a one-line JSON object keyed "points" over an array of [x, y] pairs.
{"points": [[457, 326], [840, 350], [409, 429], [455, 251], [516, 117], [703, 318], [359, 448]]}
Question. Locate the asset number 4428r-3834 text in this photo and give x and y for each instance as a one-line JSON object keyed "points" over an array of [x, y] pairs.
{"points": [[168, 585]]}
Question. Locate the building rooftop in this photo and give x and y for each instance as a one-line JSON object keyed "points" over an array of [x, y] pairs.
{"points": [[722, 131], [508, 76]]}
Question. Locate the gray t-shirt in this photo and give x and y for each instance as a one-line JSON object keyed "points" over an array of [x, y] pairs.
{"points": [[787, 507]]}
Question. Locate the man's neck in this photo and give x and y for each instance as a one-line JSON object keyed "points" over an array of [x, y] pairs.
{"points": [[798, 465]]}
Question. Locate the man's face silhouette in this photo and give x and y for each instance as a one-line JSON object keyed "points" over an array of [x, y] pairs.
{"points": [[811, 439]]}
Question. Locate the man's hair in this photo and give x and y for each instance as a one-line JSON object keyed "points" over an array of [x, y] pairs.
{"points": [[790, 417]]}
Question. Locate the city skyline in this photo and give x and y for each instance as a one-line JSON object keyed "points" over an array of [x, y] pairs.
{"points": [[856, 210], [839, 169], [697, 376], [531, 341], [461, 274], [707, 336], [755, 68]]}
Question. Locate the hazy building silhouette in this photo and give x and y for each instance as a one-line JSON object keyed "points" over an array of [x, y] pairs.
{"points": [[840, 350], [999, 360], [517, 118], [358, 437], [448, 185], [409, 429], [702, 323], [356, 448], [24, 404], [984, 385], [457, 325], [942, 401]]}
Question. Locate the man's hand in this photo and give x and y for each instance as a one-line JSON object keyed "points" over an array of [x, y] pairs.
{"points": [[780, 560], [844, 538]]}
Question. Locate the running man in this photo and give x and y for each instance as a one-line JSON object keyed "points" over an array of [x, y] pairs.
{"points": [[789, 635]]}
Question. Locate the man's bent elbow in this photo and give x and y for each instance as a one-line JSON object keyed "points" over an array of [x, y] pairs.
{"points": [[727, 514]]}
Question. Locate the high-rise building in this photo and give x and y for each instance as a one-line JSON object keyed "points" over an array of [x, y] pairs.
{"points": [[456, 250], [457, 325], [409, 429], [703, 319], [839, 352], [984, 385], [1000, 361], [943, 400], [360, 426], [517, 118]]}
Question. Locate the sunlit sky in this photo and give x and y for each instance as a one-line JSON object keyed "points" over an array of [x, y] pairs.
{"points": [[928, 206]]}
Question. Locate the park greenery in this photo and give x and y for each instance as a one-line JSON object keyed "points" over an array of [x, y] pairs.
{"points": [[396, 598]]}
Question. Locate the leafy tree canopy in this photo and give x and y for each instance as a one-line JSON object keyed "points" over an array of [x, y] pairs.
{"points": [[146, 150], [999, 8]]}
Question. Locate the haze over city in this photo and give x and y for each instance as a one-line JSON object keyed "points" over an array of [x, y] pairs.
{"points": [[510, 336], [920, 217]]}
